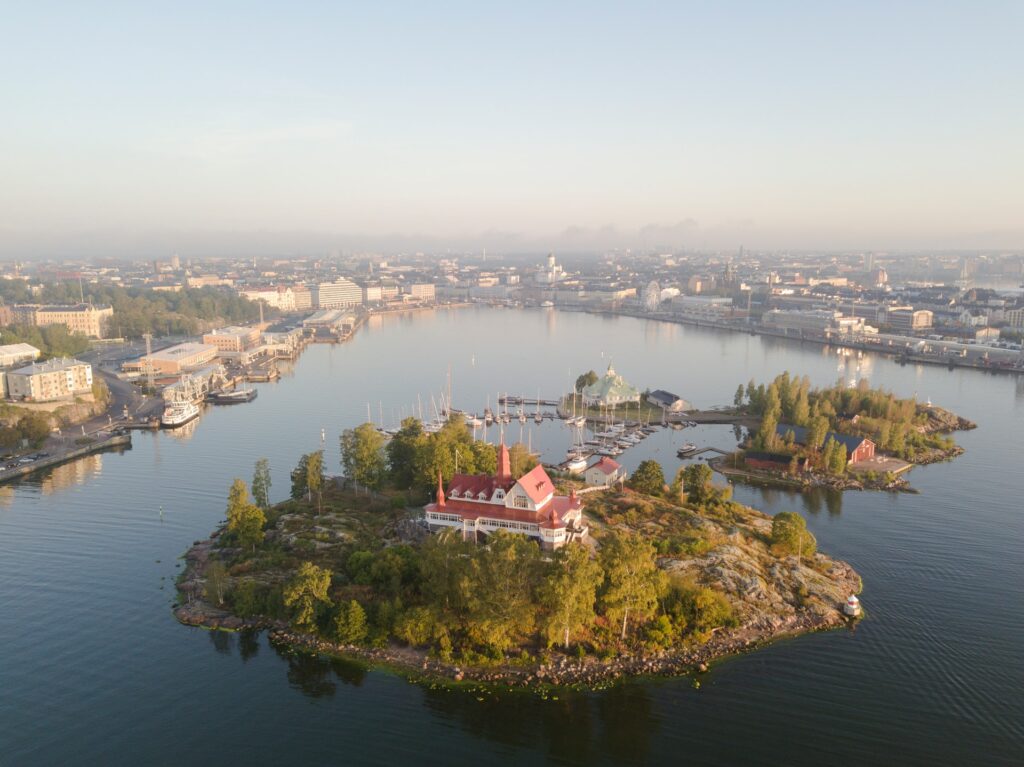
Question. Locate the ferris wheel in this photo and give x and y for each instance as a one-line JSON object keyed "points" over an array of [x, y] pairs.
{"points": [[651, 296]]}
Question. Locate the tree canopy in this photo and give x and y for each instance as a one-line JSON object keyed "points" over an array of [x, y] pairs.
{"points": [[648, 478]]}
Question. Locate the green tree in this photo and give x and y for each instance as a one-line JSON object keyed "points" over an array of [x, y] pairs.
{"points": [[261, 483], [444, 570], [315, 478], [697, 483], [632, 578], [350, 623], [401, 452], [737, 399], [648, 478], [245, 520], [520, 459], [791, 536], [504, 575], [485, 457], [299, 476], [817, 428], [363, 456], [587, 379], [306, 592], [568, 593], [837, 461], [216, 585]]}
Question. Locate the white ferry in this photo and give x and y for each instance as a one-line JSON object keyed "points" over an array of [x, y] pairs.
{"points": [[178, 414]]}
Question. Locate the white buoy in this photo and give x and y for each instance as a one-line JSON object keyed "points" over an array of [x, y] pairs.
{"points": [[852, 606]]}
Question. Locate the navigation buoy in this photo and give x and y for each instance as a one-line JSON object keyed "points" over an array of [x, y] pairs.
{"points": [[852, 606]]}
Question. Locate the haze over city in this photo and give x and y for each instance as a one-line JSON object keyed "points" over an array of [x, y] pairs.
{"points": [[266, 129]]}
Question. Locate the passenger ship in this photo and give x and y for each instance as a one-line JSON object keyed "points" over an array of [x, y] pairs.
{"points": [[178, 414]]}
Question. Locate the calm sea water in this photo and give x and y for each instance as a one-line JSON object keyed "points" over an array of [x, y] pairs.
{"points": [[94, 669]]}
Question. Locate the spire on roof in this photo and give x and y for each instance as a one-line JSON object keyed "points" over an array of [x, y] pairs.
{"points": [[504, 462]]}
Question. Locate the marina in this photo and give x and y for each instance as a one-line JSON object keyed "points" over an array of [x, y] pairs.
{"points": [[109, 562]]}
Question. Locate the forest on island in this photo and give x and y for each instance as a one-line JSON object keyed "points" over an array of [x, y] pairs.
{"points": [[895, 425]]}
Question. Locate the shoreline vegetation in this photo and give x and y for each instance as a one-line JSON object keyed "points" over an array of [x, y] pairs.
{"points": [[801, 438], [673, 577]]}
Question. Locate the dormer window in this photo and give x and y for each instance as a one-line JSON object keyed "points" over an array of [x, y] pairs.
{"points": [[453, 494], [499, 494], [468, 494], [483, 495]]}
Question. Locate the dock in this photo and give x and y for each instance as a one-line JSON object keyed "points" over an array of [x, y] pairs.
{"points": [[112, 442]]}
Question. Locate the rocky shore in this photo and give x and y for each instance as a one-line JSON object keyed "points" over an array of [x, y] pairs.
{"points": [[774, 619]]}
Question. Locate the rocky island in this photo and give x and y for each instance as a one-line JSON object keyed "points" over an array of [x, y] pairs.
{"points": [[843, 436], [665, 580]]}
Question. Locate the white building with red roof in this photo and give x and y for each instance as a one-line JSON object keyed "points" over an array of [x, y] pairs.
{"points": [[604, 473], [481, 503]]}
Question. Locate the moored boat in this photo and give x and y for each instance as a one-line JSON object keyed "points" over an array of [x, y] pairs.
{"points": [[178, 414]]}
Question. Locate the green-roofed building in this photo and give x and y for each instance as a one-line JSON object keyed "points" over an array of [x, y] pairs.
{"points": [[610, 390]]}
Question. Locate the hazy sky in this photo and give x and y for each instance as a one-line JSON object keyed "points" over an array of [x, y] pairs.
{"points": [[181, 126]]}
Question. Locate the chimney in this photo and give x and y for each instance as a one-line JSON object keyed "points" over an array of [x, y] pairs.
{"points": [[440, 490]]}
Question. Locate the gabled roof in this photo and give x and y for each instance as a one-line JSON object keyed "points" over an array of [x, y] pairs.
{"points": [[606, 466], [476, 483], [537, 484], [849, 441]]}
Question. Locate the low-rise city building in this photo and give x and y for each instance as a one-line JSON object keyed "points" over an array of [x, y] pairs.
{"points": [[85, 319], [17, 354], [233, 338], [173, 360], [49, 381]]}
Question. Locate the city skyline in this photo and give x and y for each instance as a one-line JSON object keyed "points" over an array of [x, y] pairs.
{"points": [[206, 132]]}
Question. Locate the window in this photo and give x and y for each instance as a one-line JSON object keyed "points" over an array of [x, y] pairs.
{"points": [[522, 502]]}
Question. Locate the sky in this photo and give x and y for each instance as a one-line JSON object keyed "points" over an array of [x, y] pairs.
{"points": [[224, 128]]}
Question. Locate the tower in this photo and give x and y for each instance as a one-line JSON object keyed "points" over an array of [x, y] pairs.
{"points": [[504, 463]]}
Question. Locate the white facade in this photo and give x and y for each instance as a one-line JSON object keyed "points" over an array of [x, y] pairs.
{"points": [[337, 294], [51, 380]]}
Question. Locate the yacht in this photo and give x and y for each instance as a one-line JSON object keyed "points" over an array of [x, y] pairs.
{"points": [[178, 414]]}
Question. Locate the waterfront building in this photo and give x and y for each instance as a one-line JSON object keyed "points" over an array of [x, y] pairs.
{"points": [[17, 354], [86, 319], [673, 403], [481, 504], [49, 381], [707, 308], [233, 338], [173, 360], [815, 321], [857, 448], [422, 291], [908, 319], [611, 389], [605, 473], [338, 294]]}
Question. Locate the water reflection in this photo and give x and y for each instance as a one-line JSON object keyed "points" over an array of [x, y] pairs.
{"points": [[621, 719], [316, 676]]}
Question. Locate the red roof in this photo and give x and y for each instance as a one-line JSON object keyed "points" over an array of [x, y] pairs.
{"points": [[560, 505], [537, 484], [477, 483], [607, 465]]}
